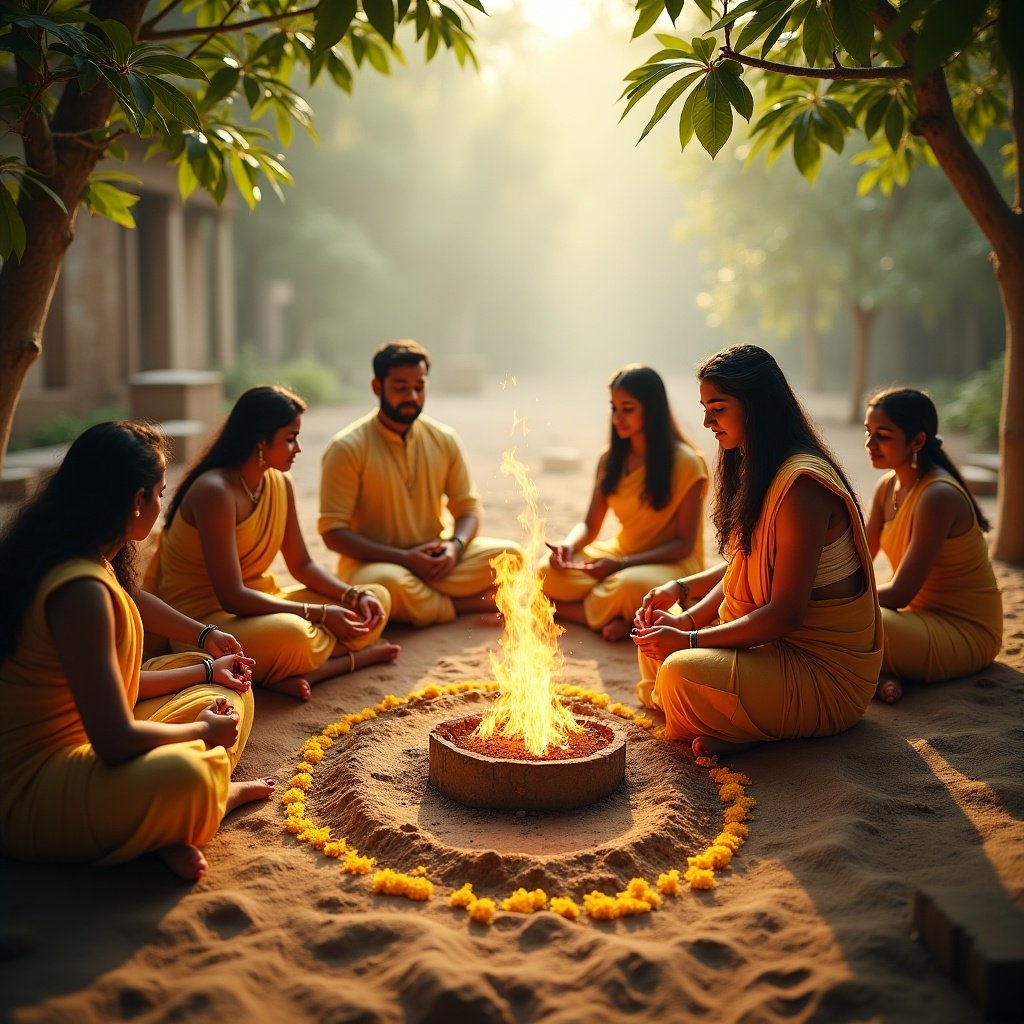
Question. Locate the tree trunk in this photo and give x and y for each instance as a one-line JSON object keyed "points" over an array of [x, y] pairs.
{"points": [[1008, 544], [863, 327]]}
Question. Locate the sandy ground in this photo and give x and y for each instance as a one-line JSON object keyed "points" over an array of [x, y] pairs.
{"points": [[812, 922]]}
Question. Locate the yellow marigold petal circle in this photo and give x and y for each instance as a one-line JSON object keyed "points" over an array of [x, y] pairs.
{"points": [[639, 897]]}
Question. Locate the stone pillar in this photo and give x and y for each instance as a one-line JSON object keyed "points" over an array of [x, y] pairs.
{"points": [[225, 337], [164, 298]]}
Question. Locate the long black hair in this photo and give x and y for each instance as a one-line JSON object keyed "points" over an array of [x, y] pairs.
{"points": [[914, 413], [83, 508], [775, 427], [258, 414], [661, 434]]}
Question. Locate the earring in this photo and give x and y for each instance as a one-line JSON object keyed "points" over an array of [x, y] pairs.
{"points": [[262, 461], [137, 513], [913, 461]]}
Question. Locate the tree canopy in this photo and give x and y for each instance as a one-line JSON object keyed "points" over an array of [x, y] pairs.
{"points": [[924, 81]]}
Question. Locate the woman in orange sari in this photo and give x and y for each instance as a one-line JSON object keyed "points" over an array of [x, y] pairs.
{"points": [[786, 640], [941, 613]]}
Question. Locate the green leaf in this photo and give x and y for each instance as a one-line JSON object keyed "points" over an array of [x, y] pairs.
{"points": [[737, 12], [109, 201], [88, 76], [736, 90], [828, 128], [142, 94], [649, 14], [806, 148], [712, 117], [686, 117], [768, 15], [12, 227], [403, 8], [381, 15], [673, 8], [639, 90], [422, 17], [817, 38], [773, 35], [169, 64], [894, 123], [704, 49], [222, 83], [22, 47], [333, 18], [876, 115], [120, 39], [175, 103], [851, 20], [253, 90], [671, 94], [947, 28]]}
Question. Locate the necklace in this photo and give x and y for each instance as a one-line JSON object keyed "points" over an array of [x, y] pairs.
{"points": [[254, 497], [895, 505]]}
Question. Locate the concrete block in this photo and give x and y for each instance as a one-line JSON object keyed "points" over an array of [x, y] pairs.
{"points": [[977, 938], [980, 480], [19, 482], [187, 438], [163, 395]]}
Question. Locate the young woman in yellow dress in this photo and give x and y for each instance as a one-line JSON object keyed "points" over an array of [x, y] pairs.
{"points": [[786, 640], [654, 481], [231, 515], [100, 760], [942, 615]]}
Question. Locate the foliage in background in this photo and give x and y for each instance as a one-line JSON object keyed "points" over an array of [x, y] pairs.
{"points": [[63, 429], [974, 405], [924, 81], [209, 83], [308, 378]]}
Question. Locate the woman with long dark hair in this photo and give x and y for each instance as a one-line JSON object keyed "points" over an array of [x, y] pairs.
{"points": [[654, 481], [101, 761], [788, 642], [231, 515], [942, 615]]}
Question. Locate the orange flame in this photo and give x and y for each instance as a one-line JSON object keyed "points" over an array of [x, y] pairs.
{"points": [[527, 707]]}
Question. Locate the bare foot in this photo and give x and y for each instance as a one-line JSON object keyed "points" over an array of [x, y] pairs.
{"points": [[293, 686], [376, 654], [711, 746], [616, 630], [186, 862], [889, 689], [245, 792]]}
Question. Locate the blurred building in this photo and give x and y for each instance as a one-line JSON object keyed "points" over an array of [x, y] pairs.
{"points": [[157, 298]]}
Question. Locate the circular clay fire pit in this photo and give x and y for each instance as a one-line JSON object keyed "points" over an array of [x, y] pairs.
{"points": [[483, 774]]}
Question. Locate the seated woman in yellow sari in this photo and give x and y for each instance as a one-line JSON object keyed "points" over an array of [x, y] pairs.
{"points": [[231, 515], [83, 776], [787, 640], [654, 481], [942, 616]]}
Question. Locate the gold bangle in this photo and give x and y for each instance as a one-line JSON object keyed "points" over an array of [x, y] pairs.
{"points": [[693, 621], [323, 614], [305, 611]]}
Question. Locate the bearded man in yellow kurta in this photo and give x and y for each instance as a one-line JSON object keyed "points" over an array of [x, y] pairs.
{"points": [[383, 486]]}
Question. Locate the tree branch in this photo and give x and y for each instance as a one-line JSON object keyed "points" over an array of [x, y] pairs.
{"points": [[1017, 134], [147, 26], [238, 26], [838, 72], [213, 31]]}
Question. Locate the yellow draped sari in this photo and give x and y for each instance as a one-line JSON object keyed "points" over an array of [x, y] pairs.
{"points": [[58, 800], [281, 643], [953, 626], [642, 528]]}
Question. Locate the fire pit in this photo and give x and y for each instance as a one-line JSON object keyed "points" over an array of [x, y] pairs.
{"points": [[505, 776]]}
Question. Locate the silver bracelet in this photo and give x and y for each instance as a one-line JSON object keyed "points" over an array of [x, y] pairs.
{"points": [[693, 639]]}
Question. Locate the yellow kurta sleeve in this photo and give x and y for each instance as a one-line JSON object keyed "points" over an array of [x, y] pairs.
{"points": [[953, 626]]}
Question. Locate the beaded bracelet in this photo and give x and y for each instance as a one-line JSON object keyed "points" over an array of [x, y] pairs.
{"points": [[208, 665], [684, 590], [203, 634]]}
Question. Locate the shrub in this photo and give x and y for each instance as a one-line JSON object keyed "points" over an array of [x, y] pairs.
{"points": [[974, 407]]}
